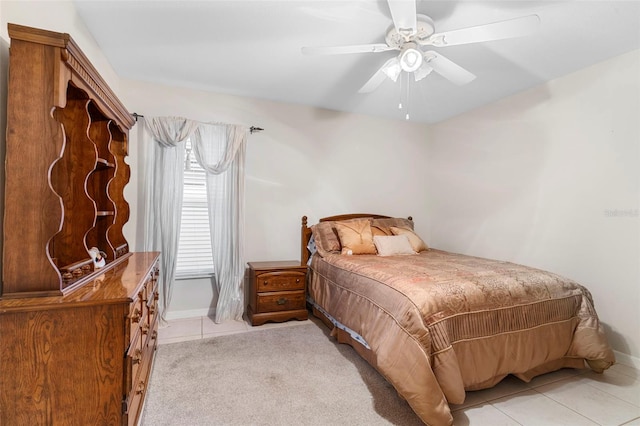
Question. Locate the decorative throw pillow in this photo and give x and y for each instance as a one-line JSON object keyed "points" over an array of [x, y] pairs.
{"points": [[387, 222], [392, 245], [416, 242], [380, 230], [326, 238], [356, 237]]}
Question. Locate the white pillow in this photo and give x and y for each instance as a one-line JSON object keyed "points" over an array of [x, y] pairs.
{"points": [[393, 245], [416, 242]]}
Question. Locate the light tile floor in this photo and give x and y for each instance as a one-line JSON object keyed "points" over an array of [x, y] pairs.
{"points": [[565, 397], [181, 330]]}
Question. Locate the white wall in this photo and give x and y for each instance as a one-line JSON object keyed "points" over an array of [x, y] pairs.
{"points": [[59, 16], [307, 161], [537, 178]]}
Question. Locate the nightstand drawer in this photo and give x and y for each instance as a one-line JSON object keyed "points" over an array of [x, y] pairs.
{"points": [[281, 301], [280, 281]]}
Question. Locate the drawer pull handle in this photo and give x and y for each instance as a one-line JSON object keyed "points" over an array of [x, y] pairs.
{"points": [[297, 280], [137, 357], [140, 389], [281, 301], [137, 314]]}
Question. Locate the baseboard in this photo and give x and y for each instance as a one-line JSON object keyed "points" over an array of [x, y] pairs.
{"points": [[626, 359], [191, 313]]}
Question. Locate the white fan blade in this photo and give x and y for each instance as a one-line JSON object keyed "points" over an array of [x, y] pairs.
{"points": [[517, 27], [339, 50], [403, 13], [448, 69], [379, 76]]}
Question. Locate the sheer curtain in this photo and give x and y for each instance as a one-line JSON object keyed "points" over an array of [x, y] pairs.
{"points": [[164, 181], [220, 150]]}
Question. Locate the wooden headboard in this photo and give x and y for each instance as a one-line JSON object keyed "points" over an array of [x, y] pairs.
{"points": [[305, 231]]}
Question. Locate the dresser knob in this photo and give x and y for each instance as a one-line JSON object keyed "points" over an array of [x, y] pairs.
{"points": [[281, 301], [140, 389], [297, 280], [137, 314]]}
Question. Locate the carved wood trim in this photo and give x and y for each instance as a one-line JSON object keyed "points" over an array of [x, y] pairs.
{"points": [[83, 72]]}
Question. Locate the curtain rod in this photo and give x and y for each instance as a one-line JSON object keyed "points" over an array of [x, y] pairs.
{"points": [[252, 129]]}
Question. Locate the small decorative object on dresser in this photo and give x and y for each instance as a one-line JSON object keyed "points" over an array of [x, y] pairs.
{"points": [[277, 291]]}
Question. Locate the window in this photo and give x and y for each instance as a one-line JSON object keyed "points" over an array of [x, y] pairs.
{"points": [[195, 257]]}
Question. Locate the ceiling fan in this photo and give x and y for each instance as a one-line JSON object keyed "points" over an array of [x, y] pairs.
{"points": [[411, 31]]}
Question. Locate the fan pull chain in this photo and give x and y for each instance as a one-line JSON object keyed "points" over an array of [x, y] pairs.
{"points": [[406, 117], [406, 92], [402, 83], [405, 81]]}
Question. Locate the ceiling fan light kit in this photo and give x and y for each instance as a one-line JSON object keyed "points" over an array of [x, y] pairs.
{"points": [[410, 31], [410, 57], [392, 69], [423, 71]]}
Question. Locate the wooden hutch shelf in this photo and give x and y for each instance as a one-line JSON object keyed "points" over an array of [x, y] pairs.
{"points": [[72, 167]]}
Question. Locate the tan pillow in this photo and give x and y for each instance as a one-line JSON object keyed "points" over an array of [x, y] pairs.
{"points": [[387, 222], [356, 237], [326, 238], [416, 242], [392, 245], [380, 230]]}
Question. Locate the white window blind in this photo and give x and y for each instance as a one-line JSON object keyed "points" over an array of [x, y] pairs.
{"points": [[195, 257]]}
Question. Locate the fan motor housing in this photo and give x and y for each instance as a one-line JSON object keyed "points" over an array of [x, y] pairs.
{"points": [[424, 29]]}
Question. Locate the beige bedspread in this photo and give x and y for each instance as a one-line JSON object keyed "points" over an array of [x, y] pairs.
{"points": [[439, 323]]}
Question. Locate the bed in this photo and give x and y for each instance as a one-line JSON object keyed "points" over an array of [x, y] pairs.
{"points": [[437, 324]]}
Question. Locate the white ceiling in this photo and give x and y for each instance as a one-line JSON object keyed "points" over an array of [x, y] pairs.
{"points": [[252, 48]]}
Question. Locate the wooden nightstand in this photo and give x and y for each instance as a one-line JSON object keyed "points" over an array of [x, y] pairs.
{"points": [[277, 291]]}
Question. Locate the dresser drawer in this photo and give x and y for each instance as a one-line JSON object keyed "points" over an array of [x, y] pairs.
{"points": [[136, 318], [152, 300], [133, 362], [136, 398], [280, 281], [281, 301], [141, 375]]}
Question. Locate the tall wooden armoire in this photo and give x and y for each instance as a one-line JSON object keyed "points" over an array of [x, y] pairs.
{"points": [[77, 338]]}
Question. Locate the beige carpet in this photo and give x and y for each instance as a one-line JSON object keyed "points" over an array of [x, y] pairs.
{"points": [[294, 375]]}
